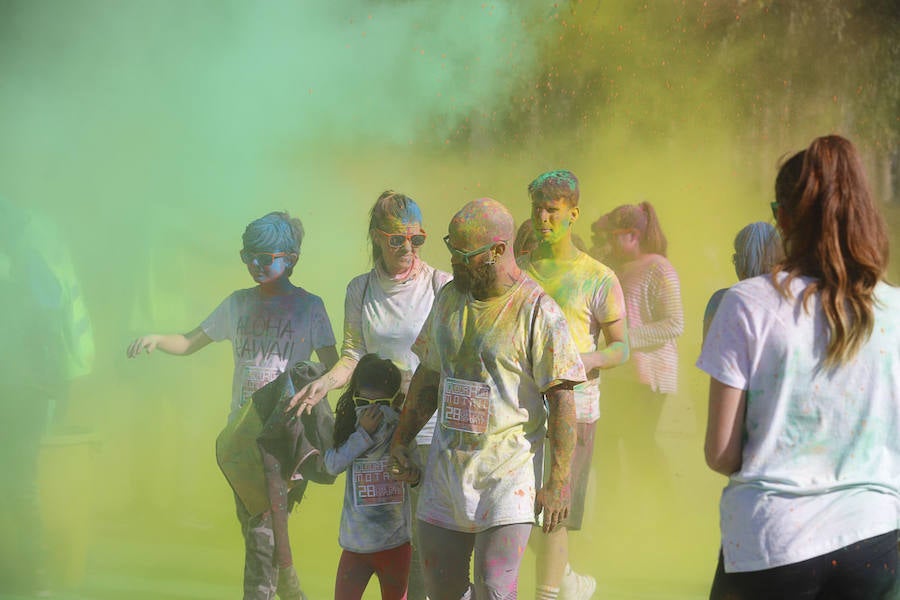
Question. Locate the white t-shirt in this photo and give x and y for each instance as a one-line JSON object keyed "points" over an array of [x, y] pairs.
{"points": [[268, 335], [821, 449], [385, 316], [494, 368], [589, 294]]}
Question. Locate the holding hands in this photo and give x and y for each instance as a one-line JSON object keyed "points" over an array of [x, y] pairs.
{"points": [[402, 466]]}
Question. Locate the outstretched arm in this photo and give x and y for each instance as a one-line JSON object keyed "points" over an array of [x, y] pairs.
{"points": [[173, 343], [553, 497], [313, 392], [421, 402]]}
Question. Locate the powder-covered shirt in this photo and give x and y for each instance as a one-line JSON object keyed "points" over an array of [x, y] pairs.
{"points": [[376, 514], [268, 335], [589, 294], [655, 319], [384, 316], [821, 451], [496, 357]]}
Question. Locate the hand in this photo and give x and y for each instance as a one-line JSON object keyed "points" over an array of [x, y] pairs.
{"points": [[370, 419], [397, 404], [145, 343], [402, 466], [553, 500], [412, 475], [308, 396]]}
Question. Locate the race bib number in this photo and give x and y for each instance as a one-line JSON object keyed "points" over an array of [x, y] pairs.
{"points": [[465, 405], [255, 378], [371, 484]]}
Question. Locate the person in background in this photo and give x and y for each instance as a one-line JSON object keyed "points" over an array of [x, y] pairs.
{"points": [[271, 326], [636, 393], [804, 398], [590, 297], [383, 313], [757, 249], [47, 342]]}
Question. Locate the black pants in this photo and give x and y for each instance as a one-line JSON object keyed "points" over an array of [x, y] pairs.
{"points": [[865, 570]]}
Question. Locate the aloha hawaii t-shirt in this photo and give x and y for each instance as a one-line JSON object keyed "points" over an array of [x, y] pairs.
{"points": [[268, 335], [496, 358]]}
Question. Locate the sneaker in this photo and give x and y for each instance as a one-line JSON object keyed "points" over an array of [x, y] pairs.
{"points": [[576, 587], [289, 585]]}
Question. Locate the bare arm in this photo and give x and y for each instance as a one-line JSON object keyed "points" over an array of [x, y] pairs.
{"points": [[339, 369], [173, 343], [553, 497], [421, 402], [617, 348], [724, 427], [313, 392]]}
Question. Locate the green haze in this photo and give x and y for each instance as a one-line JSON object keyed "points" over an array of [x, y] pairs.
{"points": [[151, 133]]}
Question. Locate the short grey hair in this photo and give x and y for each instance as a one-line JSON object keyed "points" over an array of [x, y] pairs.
{"points": [[757, 249]]}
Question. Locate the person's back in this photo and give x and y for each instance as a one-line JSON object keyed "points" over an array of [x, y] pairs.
{"points": [[804, 399], [821, 445]]}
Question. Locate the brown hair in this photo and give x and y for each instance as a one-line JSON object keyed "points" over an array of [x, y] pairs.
{"points": [[554, 185], [641, 217], [833, 232], [391, 205]]}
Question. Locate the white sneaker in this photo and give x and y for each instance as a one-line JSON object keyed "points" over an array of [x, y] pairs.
{"points": [[576, 587]]}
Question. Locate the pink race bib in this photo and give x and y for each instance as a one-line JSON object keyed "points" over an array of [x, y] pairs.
{"points": [[465, 405]]}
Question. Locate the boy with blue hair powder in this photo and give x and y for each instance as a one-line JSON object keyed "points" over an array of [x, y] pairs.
{"points": [[271, 326]]}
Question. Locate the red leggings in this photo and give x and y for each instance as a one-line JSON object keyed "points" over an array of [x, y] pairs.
{"points": [[355, 570]]}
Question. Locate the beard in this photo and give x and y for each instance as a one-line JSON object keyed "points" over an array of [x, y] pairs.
{"points": [[474, 281]]}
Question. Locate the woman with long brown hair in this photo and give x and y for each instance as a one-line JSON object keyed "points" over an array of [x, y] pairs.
{"points": [[804, 400]]}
